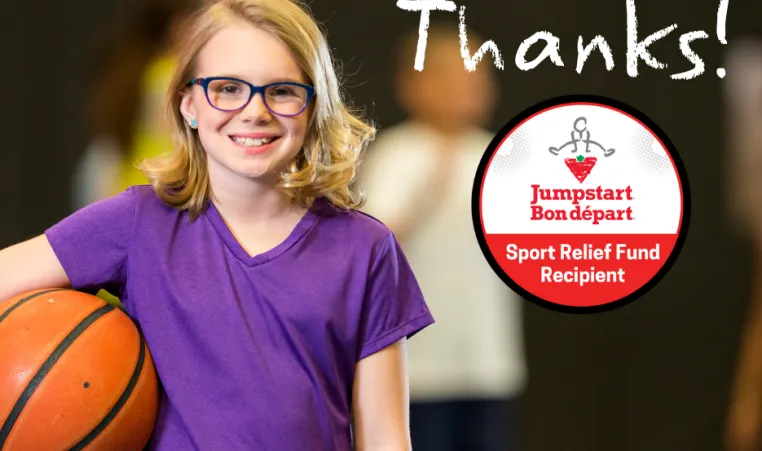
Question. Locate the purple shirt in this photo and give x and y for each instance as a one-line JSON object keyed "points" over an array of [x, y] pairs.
{"points": [[254, 353]]}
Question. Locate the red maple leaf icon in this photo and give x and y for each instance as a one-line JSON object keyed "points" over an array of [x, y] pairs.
{"points": [[580, 166]]}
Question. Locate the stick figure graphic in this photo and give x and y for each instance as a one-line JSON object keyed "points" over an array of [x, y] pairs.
{"points": [[581, 136]]}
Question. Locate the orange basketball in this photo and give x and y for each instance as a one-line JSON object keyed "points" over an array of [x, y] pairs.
{"points": [[75, 374]]}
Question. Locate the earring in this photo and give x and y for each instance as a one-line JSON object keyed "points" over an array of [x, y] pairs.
{"points": [[193, 123]]}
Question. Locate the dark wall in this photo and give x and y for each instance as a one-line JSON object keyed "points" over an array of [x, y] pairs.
{"points": [[652, 376], [46, 50]]}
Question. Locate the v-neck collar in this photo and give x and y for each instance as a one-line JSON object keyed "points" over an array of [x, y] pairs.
{"points": [[301, 228]]}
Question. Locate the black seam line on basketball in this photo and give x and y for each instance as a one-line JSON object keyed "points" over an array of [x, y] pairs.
{"points": [[27, 299], [119, 404], [45, 369]]}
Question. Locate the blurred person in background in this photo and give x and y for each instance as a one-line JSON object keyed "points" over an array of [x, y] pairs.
{"points": [[468, 371], [125, 111], [743, 91]]}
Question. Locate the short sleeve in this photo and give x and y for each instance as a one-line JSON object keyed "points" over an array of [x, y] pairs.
{"points": [[394, 305], [92, 243]]}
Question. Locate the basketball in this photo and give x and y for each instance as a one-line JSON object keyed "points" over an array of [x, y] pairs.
{"points": [[75, 374]]}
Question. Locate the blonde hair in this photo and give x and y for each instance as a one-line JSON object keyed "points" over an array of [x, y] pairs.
{"points": [[336, 138]]}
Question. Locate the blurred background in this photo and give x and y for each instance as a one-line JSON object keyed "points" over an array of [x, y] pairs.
{"points": [[653, 376]]}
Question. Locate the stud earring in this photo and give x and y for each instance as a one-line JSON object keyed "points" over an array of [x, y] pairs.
{"points": [[193, 123]]}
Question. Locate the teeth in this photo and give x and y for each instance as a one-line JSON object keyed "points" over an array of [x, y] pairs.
{"points": [[251, 142]]}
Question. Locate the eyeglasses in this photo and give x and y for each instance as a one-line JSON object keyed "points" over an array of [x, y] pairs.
{"points": [[231, 94]]}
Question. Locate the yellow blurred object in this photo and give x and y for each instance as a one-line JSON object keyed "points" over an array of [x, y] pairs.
{"points": [[151, 137]]}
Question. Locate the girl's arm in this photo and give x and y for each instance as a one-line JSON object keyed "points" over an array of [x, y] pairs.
{"points": [[30, 265], [381, 401]]}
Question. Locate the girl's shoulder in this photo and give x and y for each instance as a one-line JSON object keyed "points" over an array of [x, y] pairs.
{"points": [[148, 204], [353, 226], [144, 195]]}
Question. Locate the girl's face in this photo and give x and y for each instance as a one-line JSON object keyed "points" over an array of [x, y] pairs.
{"points": [[253, 142]]}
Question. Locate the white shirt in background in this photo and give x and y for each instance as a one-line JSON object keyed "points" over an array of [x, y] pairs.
{"points": [[475, 349]]}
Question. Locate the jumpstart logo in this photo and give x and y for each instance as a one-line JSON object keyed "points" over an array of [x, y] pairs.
{"points": [[581, 204], [581, 165]]}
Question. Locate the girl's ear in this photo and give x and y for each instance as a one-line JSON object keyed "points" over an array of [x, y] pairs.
{"points": [[188, 108]]}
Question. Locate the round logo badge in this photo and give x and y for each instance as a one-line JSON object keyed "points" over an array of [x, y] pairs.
{"points": [[581, 204]]}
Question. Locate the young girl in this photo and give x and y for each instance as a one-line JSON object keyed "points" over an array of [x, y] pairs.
{"points": [[275, 312]]}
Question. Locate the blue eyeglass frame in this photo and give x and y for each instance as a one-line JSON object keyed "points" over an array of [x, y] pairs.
{"points": [[253, 90]]}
